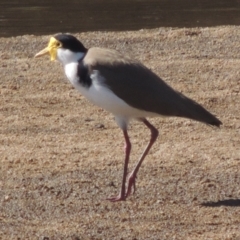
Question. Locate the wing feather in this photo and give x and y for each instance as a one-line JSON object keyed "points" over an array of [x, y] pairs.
{"points": [[141, 88]]}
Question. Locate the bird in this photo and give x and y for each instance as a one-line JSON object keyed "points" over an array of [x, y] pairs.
{"points": [[126, 88]]}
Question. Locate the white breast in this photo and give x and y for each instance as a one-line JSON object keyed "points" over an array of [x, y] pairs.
{"points": [[99, 94]]}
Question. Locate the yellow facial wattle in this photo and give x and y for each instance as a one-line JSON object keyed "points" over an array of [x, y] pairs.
{"points": [[51, 49]]}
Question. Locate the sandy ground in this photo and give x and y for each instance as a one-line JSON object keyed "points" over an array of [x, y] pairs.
{"points": [[61, 156]]}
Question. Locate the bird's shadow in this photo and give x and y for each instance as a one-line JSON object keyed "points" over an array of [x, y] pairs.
{"points": [[228, 203]]}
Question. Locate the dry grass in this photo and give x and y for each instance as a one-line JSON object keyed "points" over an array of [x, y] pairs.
{"points": [[61, 156]]}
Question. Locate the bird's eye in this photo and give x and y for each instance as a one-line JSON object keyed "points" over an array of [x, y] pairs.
{"points": [[58, 44]]}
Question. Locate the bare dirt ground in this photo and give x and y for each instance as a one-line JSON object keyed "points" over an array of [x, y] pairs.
{"points": [[61, 156]]}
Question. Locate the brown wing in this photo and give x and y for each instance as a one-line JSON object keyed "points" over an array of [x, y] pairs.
{"points": [[141, 88]]}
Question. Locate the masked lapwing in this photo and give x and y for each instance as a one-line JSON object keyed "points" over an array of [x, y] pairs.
{"points": [[124, 87]]}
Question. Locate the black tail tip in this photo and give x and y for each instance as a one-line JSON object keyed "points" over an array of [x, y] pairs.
{"points": [[216, 123]]}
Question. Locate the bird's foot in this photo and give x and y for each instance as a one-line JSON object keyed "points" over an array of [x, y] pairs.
{"points": [[130, 190], [117, 198]]}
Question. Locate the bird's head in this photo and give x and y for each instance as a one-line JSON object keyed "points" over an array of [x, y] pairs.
{"points": [[65, 48]]}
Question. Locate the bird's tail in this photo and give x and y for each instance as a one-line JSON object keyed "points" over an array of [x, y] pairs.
{"points": [[191, 109]]}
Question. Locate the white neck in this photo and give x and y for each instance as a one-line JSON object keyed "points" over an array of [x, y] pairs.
{"points": [[66, 56]]}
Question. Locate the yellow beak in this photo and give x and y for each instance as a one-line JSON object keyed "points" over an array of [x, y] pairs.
{"points": [[42, 52], [51, 49]]}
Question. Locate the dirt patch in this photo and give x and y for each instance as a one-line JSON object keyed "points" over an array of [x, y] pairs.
{"points": [[61, 156]]}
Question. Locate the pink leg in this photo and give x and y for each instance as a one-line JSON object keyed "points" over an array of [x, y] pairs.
{"points": [[133, 175], [122, 195]]}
